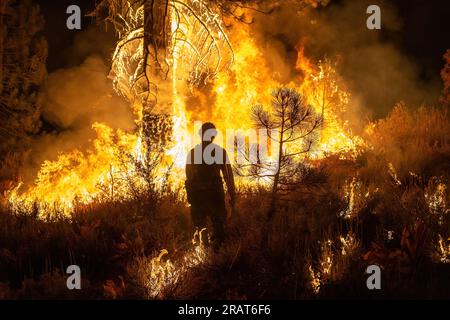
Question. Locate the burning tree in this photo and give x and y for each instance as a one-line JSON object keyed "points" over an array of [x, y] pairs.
{"points": [[325, 89], [166, 44], [326, 92], [293, 127], [161, 43], [168, 51]]}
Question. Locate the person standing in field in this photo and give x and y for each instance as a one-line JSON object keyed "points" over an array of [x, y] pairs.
{"points": [[207, 166]]}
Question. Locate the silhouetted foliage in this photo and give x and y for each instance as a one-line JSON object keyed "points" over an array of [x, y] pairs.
{"points": [[445, 75], [292, 126], [23, 53]]}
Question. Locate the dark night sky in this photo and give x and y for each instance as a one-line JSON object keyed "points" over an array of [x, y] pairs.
{"points": [[425, 35], [59, 38]]}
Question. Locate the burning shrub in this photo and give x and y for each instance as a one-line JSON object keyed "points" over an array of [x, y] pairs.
{"points": [[412, 141], [334, 261], [158, 278], [442, 251]]}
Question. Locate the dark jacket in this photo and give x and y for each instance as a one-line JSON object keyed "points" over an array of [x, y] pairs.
{"points": [[203, 172]]}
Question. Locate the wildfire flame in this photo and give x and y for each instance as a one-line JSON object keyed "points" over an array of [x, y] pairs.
{"points": [[238, 75], [160, 274], [333, 264]]}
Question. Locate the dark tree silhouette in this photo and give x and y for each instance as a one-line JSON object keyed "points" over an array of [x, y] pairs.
{"points": [[23, 53], [445, 75], [293, 127]]}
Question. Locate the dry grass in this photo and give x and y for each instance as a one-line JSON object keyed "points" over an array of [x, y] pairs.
{"points": [[313, 251]]}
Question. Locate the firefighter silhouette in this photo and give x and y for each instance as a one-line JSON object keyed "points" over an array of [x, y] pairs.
{"points": [[204, 184]]}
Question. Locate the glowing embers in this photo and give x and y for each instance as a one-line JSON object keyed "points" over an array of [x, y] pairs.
{"points": [[393, 173], [159, 274], [356, 195], [442, 252], [333, 261], [436, 196], [321, 273]]}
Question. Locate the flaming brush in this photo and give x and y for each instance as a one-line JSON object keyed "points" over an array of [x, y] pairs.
{"points": [[325, 173]]}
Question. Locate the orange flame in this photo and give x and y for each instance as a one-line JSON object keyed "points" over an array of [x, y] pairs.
{"points": [[77, 177]]}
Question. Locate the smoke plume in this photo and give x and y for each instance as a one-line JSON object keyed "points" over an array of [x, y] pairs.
{"points": [[75, 98], [376, 70]]}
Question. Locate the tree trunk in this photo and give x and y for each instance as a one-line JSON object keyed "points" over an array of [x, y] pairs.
{"points": [[273, 200], [156, 111], [156, 34]]}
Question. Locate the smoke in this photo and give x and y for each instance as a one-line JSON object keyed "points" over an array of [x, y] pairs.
{"points": [[78, 96], [75, 98], [375, 69]]}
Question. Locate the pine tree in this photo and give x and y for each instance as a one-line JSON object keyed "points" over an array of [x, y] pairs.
{"points": [[293, 126]]}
